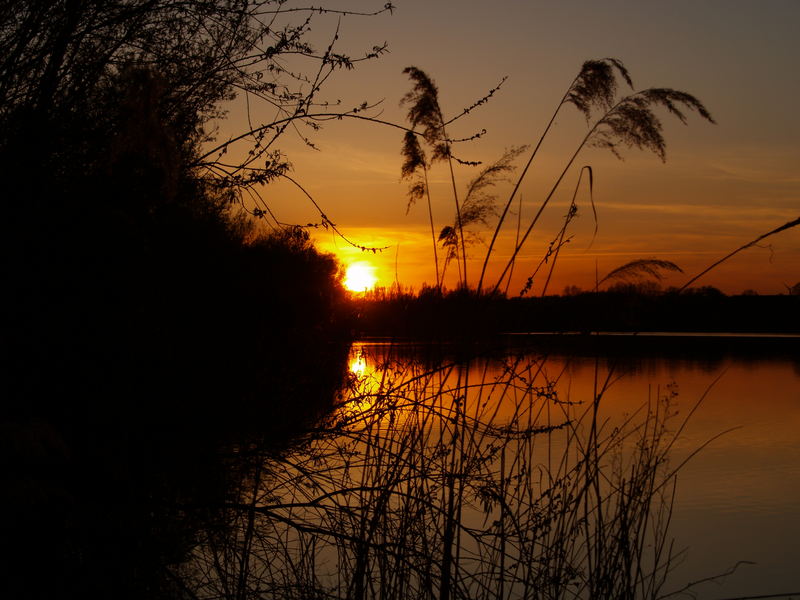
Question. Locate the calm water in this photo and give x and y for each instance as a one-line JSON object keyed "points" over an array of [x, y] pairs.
{"points": [[738, 498]]}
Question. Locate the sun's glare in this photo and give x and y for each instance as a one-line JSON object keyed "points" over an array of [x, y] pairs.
{"points": [[358, 365], [360, 277]]}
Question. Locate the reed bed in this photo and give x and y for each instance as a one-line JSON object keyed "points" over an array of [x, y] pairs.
{"points": [[437, 482]]}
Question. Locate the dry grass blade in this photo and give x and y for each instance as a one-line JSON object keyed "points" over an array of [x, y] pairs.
{"points": [[555, 246], [783, 227]]}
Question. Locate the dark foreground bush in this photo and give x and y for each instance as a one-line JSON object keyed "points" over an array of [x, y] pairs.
{"points": [[149, 334]]}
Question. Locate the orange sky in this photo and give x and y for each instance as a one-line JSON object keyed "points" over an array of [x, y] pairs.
{"points": [[722, 185]]}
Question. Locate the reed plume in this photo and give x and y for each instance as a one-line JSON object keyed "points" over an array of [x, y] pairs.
{"points": [[641, 269], [479, 201], [633, 123], [415, 166], [425, 113], [594, 88], [630, 122]]}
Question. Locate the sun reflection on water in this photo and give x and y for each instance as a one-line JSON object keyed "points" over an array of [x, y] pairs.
{"points": [[358, 363], [363, 386]]}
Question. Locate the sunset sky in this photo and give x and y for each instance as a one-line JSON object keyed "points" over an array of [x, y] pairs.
{"points": [[722, 185]]}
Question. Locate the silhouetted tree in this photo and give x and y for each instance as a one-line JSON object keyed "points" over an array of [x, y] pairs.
{"points": [[150, 327], [62, 62]]}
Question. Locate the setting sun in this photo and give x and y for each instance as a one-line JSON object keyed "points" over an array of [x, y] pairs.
{"points": [[360, 277]]}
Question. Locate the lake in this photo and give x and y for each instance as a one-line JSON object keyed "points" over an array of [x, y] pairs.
{"points": [[602, 466], [737, 499]]}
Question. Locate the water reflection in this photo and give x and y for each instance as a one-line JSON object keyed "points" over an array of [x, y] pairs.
{"points": [[521, 472], [746, 482], [357, 364]]}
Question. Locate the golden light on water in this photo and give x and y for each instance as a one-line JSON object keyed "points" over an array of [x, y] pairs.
{"points": [[358, 365], [360, 277]]}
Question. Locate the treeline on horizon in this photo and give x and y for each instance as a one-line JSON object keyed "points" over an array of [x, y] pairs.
{"points": [[429, 314]]}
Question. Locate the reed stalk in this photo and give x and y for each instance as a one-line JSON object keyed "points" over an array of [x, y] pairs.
{"points": [[427, 482]]}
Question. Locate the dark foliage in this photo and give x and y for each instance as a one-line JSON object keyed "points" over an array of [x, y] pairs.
{"points": [[150, 333], [465, 315]]}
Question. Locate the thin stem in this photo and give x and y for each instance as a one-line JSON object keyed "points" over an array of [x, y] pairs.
{"points": [[516, 241], [562, 233], [546, 201], [327, 116], [433, 229], [783, 227], [328, 223], [519, 182], [559, 243], [463, 274]]}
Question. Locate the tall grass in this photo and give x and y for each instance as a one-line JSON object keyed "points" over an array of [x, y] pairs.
{"points": [[614, 122], [453, 481]]}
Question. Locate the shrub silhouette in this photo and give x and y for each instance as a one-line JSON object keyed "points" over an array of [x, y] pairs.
{"points": [[150, 330]]}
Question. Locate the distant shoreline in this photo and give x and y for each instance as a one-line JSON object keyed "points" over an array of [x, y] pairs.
{"points": [[466, 315], [732, 335], [695, 346], [671, 334]]}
